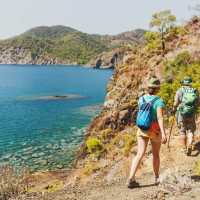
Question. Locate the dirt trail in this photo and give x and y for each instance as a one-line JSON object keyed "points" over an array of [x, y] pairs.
{"points": [[184, 186], [178, 180], [170, 162]]}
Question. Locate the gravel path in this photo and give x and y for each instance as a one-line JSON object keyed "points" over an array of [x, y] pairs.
{"points": [[178, 181]]}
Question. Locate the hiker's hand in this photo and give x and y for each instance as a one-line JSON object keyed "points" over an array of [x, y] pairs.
{"points": [[164, 139]]}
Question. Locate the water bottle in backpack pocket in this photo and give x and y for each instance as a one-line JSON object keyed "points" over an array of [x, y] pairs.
{"points": [[144, 115]]}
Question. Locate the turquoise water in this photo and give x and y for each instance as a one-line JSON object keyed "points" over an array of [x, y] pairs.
{"points": [[44, 133]]}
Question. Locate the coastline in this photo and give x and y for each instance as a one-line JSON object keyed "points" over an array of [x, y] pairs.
{"points": [[58, 65]]}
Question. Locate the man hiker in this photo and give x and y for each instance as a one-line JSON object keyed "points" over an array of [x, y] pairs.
{"points": [[185, 106], [150, 128]]}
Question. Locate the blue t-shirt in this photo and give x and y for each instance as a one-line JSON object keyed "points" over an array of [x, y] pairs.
{"points": [[159, 103]]}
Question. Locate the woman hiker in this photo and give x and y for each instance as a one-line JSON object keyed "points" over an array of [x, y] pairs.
{"points": [[155, 133]]}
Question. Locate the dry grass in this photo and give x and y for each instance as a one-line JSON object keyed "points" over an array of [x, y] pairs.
{"points": [[90, 168], [197, 168], [124, 142], [12, 183]]}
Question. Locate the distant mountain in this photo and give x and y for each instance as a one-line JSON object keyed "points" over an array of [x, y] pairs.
{"points": [[129, 37], [62, 45], [49, 32]]}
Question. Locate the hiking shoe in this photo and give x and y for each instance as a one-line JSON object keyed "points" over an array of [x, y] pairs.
{"points": [[193, 147], [184, 151], [189, 150], [132, 184], [157, 180]]}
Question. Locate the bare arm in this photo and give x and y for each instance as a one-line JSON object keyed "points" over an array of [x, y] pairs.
{"points": [[176, 100], [160, 120], [161, 124]]}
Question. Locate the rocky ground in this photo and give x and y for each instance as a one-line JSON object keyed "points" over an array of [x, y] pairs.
{"points": [[178, 180]]}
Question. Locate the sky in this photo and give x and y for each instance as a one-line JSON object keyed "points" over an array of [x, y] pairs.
{"points": [[90, 16]]}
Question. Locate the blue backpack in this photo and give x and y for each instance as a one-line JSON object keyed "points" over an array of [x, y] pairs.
{"points": [[144, 115]]}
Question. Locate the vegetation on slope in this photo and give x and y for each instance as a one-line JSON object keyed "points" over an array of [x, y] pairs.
{"points": [[74, 47], [175, 70], [181, 57], [112, 135], [49, 32], [63, 45]]}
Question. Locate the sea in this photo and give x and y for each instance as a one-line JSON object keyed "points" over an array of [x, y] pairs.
{"points": [[44, 112]]}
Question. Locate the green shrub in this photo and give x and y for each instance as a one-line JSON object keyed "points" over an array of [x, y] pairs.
{"points": [[181, 62], [129, 141], [153, 41], [176, 31], [106, 135], [124, 141], [94, 145], [168, 91], [181, 66], [90, 167], [197, 168]]}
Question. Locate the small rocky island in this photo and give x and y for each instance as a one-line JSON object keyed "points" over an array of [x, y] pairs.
{"points": [[63, 97], [56, 97]]}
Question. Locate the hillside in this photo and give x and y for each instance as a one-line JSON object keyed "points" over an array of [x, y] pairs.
{"points": [[104, 159], [49, 32], [112, 135], [63, 45]]}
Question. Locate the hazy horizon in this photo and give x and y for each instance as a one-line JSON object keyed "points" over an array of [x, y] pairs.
{"points": [[90, 16]]}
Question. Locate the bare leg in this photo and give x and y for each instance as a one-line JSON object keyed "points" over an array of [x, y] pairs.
{"points": [[190, 137], [142, 145], [156, 157], [182, 129], [183, 140]]}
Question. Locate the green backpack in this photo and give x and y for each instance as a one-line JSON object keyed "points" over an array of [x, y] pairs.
{"points": [[188, 103]]}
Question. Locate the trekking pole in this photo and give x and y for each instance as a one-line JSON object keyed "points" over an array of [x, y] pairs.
{"points": [[170, 132]]}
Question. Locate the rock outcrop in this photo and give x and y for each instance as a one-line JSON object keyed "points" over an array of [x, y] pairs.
{"points": [[12, 55], [110, 59]]}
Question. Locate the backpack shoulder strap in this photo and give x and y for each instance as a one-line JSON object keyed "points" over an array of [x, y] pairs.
{"points": [[183, 91], [195, 90], [154, 100], [141, 101]]}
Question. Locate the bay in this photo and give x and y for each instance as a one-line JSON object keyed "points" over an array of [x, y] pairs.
{"points": [[44, 111]]}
